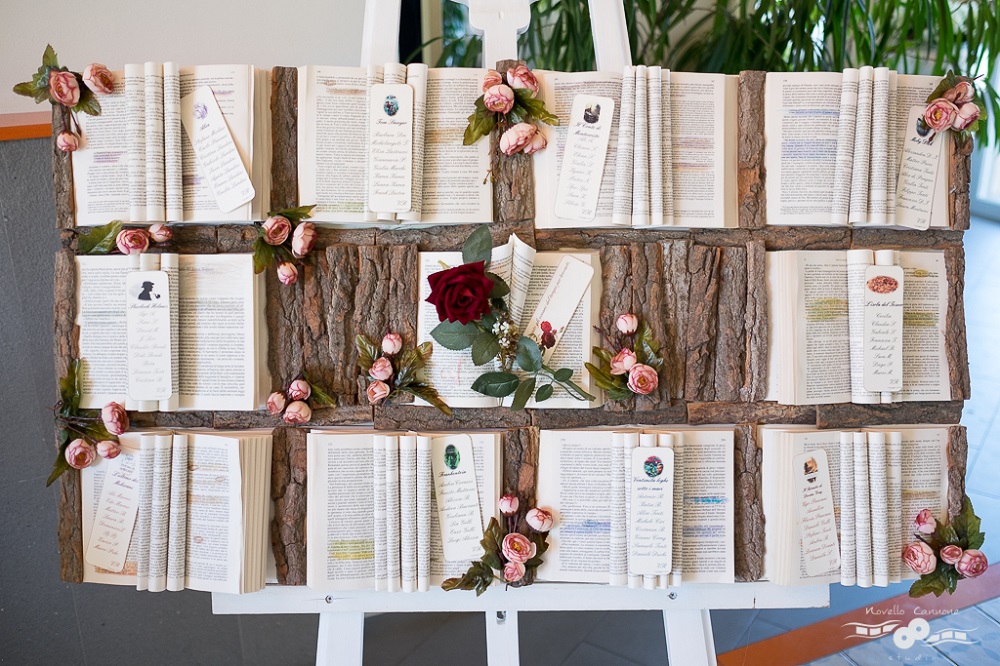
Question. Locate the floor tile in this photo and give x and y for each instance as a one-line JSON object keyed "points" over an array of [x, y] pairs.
{"points": [[838, 659], [980, 412], [884, 651], [983, 631], [991, 608], [460, 639], [730, 628], [549, 638], [289, 640], [634, 635], [985, 469], [408, 631], [588, 655]]}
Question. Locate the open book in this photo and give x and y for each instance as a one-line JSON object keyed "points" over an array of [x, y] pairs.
{"points": [[216, 345], [610, 529], [818, 331], [136, 162], [671, 154], [543, 288], [835, 143], [176, 510], [873, 482], [448, 180], [397, 511]]}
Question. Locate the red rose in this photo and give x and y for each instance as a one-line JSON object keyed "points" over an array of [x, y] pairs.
{"points": [[462, 293]]}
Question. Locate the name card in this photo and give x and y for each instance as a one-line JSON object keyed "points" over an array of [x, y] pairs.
{"points": [[390, 148], [919, 170], [457, 496], [147, 331], [883, 342], [558, 303], [116, 512], [652, 495], [817, 522], [215, 150], [583, 158]]}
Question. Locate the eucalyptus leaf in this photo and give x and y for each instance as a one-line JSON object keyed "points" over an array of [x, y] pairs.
{"points": [[455, 335], [523, 394], [563, 374], [367, 353], [496, 384], [478, 246], [99, 240]]}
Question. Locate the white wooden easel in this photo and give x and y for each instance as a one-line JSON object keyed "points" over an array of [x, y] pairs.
{"points": [[687, 625]]}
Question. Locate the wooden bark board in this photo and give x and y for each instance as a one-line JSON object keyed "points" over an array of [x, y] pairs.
{"points": [[861, 416], [616, 299], [288, 491], [750, 150], [676, 283], [707, 413], [702, 322], [520, 477], [284, 138], [284, 314], [555, 419], [748, 505], [648, 304], [958, 455], [956, 342], [756, 317], [513, 176], [958, 183], [908, 239], [394, 416], [62, 172], [730, 350], [448, 238]]}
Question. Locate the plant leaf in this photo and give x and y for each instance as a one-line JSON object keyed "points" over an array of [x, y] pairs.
{"points": [[99, 240], [294, 214], [455, 335], [523, 393], [500, 288], [319, 397], [367, 353], [88, 103], [529, 355], [26, 89], [492, 560], [932, 582], [58, 468], [563, 374], [496, 384], [478, 246], [428, 394], [263, 255], [485, 348], [49, 57]]}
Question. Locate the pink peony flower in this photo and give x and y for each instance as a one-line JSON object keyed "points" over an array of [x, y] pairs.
{"points": [[108, 448], [508, 504], [276, 403], [297, 412], [99, 79], [132, 241], [962, 92], [539, 520], [499, 98], [521, 77], [972, 564], [391, 344], [940, 114], [115, 418], [381, 369], [493, 78], [538, 141], [924, 522], [377, 391], [276, 229], [622, 362], [967, 114], [517, 137], [67, 142], [627, 323], [950, 554], [287, 273], [80, 454], [64, 88], [513, 572], [642, 379], [919, 557], [517, 548], [299, 390], [160, 233], [303, 239]]}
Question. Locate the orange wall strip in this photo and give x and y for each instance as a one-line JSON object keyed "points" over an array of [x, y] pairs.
{"points": [[36, 125]]}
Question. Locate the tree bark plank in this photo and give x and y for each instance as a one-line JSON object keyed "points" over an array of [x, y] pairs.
{"points": [[909, 239], [513, 175], [616, 299], [520, 476], [648, 303], [284, 138], [730, 353], [702, 322], [863, 416], [956, 342], [393, 416], [174, 419], [958, 455], [755, 371], [284, 314], [447, 238], [750, 150], [960, 174], [749, 506], [288, 492], [706, 413], [676, 289], [62, 171], [555, 419]]}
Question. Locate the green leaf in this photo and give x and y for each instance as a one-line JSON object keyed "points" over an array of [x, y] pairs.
{"points": [[529, 355], [485, 348], [455, 335], [88, 102], [428, 394], [563, 374], [478, 246], [294, 214], [263, 255], [99, 240], [544, 393], [948, 534], [26, 89], [496, 384], [492, 537], [320, 398], [500, 288], [68, 394], [492, 560], [367, 353], [932, 582], [523, 393], [575, 391], [49, 58], [58, 467]]}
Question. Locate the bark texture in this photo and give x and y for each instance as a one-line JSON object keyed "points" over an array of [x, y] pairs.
{"points": [[513, 175], [861, 416], [288, 491], [958, 455], [958, 183], [956, 343], [749, 506], [285, 138], [750, 150], [62, 172]]}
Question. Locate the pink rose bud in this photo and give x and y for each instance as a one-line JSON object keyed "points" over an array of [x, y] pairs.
{"points": [[538, 141], [521, 77], [968, 113], [377, 391], [303, 239], [287, 272], [539, 520], [99, 78], [951, 554], [108, 448], [67, 142], [160, 233], [381, 369], [80, 454], [299, 390], [642, 379], [962, 92], [516, 138], [493, 78], [924, 522], [64, 88], [276, 403], [508, 504], [940, 114], [297, 412], [513, 572], [627, 323], [622, 362], [919, 557], [276, 229], [391, 344], [132, 241], [499, 98], [517, 548], [972, 564], [115, 418]]}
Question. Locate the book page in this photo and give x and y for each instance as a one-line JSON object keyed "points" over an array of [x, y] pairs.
{"points": [[144, 517], [101, 318], [135, 132], [625, 157], [101, 164], [159, 526], [177, 526], [924, 478], [708, 534], [806, 442], [379, 513], [848, 555], [913, 90], [861, 171], [655, 84], [173, 151], [862, 512], [878, 185], [640, 151], [925, 309], [392, 529], [878, 482], [858, 262], [425, 487], [847, 123], [155, 184], [894, 490], [618, 535], [416, 77]]}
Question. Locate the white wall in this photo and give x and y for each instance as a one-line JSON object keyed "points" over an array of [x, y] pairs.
{"points": [[191, 32]]}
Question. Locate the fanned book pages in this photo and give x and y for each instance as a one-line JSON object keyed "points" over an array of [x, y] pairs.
{"points": [[670, 159], [824, 345], [610, 524], [433, 496], [179, 510], [543, 287], [339, 151], [213, 355], [840, 505], [138, 162], [835, 144]]}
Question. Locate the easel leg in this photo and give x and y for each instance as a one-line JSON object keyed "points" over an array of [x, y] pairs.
{"points": [[502, 647], [689, 637], [341, 639]]}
